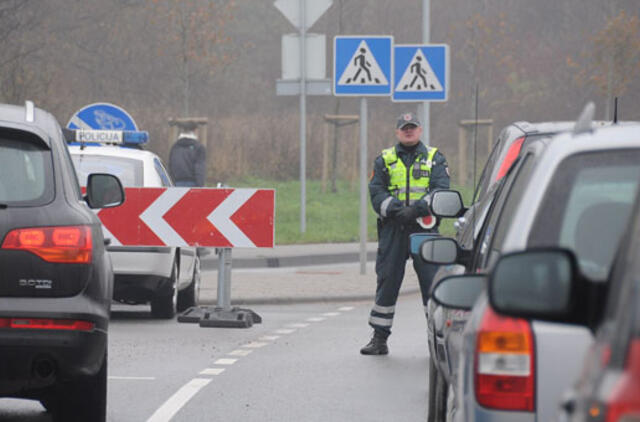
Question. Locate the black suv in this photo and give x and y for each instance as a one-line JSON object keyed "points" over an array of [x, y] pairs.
{"points": [[56, 280]]}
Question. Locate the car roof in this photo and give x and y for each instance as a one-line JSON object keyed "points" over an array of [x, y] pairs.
{"points": [[557, 149], [43, 124]]}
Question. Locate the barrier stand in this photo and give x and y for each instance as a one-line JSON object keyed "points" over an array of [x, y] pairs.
{"points": [[222, 315]]}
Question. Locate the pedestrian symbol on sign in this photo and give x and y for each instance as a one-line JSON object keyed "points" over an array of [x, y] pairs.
{"points": [[363, 69], [419, 76]]}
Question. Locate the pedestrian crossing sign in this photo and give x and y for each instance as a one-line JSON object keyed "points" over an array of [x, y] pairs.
{"points": [[421, 73], [362, 65]]}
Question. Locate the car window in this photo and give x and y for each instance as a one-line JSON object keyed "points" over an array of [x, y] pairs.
{"points": [[503, 209], [26, 173], [128, 170], [162, 173], [587, 207], [485, 176]]}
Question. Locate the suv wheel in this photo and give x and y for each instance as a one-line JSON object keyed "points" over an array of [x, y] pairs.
{"points": [[82, 399], [164, 306], [188, 297]]}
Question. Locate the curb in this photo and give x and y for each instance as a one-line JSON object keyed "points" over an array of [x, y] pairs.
{"points": [[308, 299]]}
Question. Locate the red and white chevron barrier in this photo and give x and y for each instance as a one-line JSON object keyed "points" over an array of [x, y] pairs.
{"points": [[221, 218]]}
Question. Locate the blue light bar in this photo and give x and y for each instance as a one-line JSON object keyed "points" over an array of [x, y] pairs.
{"points": [[135, 137]]}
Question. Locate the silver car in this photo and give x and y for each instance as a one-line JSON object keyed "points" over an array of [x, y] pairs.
{"points": [[446, 324], [577, 192]]}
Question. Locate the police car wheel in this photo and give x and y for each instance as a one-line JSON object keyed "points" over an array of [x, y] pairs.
{"points": [[188, 297], [164, 305]]}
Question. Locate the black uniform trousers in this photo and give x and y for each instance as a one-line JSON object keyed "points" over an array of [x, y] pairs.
{"points": [[391, 259]]}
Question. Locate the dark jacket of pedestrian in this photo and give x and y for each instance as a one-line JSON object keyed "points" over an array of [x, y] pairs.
{"points": [[187, 161]]}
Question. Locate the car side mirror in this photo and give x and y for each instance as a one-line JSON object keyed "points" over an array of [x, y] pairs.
{"points": [[447, 204], [104, 191], [441, 250], [541, 284], [459, 291]]}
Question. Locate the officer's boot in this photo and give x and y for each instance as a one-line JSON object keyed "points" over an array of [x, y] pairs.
{"points": [[377, 346]]}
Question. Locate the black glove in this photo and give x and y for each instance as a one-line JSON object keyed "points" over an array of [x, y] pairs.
{"points": [[407, 214]]}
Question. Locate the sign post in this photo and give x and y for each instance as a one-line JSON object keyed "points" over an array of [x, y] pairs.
{"points": [[303, 14], [362, 67]]}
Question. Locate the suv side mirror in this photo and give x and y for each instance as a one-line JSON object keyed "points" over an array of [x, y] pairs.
{"points": [[459, 291], [447, 204], [104, 191], [543, 284]]}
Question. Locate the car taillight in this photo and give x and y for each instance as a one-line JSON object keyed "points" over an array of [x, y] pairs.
{"points": [[505, 364], [511, 156], [624, 403], [46, 324], [65, 244]]}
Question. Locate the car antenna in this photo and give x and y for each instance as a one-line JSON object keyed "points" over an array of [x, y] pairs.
{"points": [[475, 155], [615, 110], [583, 124]]}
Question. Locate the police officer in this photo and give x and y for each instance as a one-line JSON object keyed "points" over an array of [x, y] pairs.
{"points": [[187, 159], [403, 178]]}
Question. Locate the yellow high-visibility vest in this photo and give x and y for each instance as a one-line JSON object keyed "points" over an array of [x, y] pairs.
{"points": [[409, 183]]}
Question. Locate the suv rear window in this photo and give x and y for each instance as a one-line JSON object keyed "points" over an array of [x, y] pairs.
{"points": [[587, 207], [128, 170], [26, 173]]}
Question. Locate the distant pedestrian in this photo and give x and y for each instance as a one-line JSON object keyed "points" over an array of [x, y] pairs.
{"points": [[187, 159], [403, 178]]}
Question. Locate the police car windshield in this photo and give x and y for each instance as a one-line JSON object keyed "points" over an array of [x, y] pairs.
{"points": [[25, 173], [128, 170]]}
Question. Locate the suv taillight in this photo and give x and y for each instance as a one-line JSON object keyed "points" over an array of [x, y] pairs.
{"points": [[504, 363], [624, 403], [64, 244]]}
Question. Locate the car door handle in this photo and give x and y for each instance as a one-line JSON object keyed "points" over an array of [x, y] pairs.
{"points": [[107, 241]]}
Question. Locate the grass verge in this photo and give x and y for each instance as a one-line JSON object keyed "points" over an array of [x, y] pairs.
{"points": [[330, 217]]}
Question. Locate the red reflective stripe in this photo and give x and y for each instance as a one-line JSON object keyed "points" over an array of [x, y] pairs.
{"points": [[46, 324], [512, 154]]}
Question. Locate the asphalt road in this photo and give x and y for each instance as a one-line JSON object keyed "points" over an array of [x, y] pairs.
{"points": [[301, 364]]}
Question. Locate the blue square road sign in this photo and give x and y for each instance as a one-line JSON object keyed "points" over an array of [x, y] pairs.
{"points": [[362, 65], [421, 73]]}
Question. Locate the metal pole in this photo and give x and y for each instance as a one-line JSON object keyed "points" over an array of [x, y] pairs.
{"points": [[423, 108], [363, 185], [303, 121], [224, 279]]}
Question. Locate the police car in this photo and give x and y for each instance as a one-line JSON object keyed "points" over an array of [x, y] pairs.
{"points": [[166, 277]]}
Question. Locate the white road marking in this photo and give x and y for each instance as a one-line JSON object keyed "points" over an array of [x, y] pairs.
{"points": [[284, 331], [115, 377], [212, 371], [297, 325], [165, 412], [269, 338], [255, 344], [240, 352], [225, 361], [331, 313], [346, 308], [315, 319]]}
